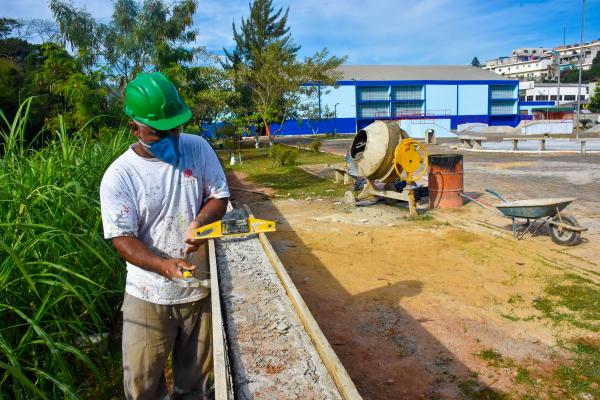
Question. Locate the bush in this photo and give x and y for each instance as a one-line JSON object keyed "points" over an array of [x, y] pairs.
{"points": [[283, 155], [585, 123], [315, 146], [61, 281]]}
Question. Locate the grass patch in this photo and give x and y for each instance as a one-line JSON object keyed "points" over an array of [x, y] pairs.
{"points": [[523, 377], [510, 317], [288, 179], [573, 299], [495, 359], [515, 298], [582, 375], [474, 391]]}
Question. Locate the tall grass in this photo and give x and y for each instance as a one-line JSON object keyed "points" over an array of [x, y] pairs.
{"points": [[60, 282]]}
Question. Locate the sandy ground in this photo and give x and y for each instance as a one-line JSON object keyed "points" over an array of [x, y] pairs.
{"points": [[407, 305]]}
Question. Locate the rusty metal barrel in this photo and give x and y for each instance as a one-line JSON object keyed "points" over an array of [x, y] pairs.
{"points": [[445, 180]]}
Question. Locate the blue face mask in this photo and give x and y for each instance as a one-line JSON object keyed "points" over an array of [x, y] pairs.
{"points": [[164, 149]]}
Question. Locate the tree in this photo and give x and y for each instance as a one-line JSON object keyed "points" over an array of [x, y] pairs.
{"points": [[475, 62], [266, 72], [140, 37], [43, 29], [7, 26], [594, 104], [207, 90], [263, 28], [62, 76], [276, 82]]}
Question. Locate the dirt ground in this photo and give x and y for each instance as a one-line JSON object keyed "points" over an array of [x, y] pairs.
{"points": [[410, 306]]}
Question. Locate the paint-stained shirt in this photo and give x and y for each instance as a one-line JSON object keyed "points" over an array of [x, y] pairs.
{"points": [[155, 202]]}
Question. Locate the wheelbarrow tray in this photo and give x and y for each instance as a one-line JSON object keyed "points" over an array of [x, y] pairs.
{"points": [[533, 208]]}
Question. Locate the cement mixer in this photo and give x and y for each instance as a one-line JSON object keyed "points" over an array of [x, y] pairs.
{"points": [[390, 161]]}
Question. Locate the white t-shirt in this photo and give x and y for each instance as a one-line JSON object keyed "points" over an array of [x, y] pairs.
{"points": [[155, 202]]}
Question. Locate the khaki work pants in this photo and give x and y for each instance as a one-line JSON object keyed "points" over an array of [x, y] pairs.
{"points": [[153, 331]]}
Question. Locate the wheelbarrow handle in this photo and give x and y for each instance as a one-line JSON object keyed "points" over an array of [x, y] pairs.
{"points": [[498, 195], [473, 200]]}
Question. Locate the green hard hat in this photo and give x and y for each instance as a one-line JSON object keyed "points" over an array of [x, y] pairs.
{"points": [[152, 99]]}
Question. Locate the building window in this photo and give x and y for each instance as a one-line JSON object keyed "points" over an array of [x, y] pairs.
{"points": [[409, 92], [581, 97], [407, 108], [501, 107], [553, 97], [522, 98], [371, 93], [570, 97], [541, 97], [502, 92], [373, 110], [529, 98]]}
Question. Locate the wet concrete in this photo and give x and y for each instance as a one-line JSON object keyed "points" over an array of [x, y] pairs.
{"points": [[272, 356]]}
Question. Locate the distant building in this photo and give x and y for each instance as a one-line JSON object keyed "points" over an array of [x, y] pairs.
{"points": [[540, 63], [536, 91], [569, 54], [535, 94], [418, 97]]}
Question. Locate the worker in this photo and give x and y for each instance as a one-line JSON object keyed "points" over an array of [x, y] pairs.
{"points": [[153, 196]]}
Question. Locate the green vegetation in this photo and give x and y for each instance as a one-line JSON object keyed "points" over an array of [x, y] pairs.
{"points": [[60, 281], [283, 155], [593, 74], [583, 374], [495, 359], [473, 391], [572, 299], [315, 146], [594, 104], [287, 179]]}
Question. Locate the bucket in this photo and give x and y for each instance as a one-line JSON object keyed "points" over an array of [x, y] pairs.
{"points": [[445, 180]]}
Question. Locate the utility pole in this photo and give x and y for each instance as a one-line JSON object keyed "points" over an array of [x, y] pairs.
{"points": [[559, 71], [335, 119], [580, 68]]}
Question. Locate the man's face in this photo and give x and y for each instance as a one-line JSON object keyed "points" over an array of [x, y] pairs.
{"points": [[149, 135]]}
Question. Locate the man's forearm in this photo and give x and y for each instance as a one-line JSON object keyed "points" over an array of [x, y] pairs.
{"points": [[213, 210], [136, 253]]}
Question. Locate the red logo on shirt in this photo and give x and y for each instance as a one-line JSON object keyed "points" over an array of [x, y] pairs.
{"points": [[187, 173]]}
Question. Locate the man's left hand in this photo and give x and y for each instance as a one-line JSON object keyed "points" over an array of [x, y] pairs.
{"points": [[192, 243]]}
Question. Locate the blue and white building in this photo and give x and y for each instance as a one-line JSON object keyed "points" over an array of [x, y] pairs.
{"points": [[419, 97]]}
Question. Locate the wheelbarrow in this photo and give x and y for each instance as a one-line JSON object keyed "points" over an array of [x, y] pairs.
{"points": [[564, 229]]}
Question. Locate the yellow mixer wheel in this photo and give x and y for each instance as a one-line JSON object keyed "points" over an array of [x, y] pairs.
{"points": [[410, 157]]}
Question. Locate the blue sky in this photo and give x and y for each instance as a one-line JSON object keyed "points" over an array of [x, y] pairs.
{"points": [[389, 31]]}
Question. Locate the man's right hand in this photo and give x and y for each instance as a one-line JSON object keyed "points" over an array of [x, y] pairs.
{"points": [[174, 267], [135, 252]]}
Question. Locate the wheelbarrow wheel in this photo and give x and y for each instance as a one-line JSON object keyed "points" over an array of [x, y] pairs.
{"points": [[564, 236]]}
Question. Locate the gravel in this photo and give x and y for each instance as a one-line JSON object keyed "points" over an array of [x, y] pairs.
{"points": [[272, 356]]}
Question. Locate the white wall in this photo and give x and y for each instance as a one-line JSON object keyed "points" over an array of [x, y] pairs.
{"points": [[473, 99], [344, 95], [440, 99], [416, 127]]}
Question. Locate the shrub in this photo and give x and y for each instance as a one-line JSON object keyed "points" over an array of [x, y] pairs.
{"points": [[315, 146], [585, 123], [61, 282], [283, 155]]}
